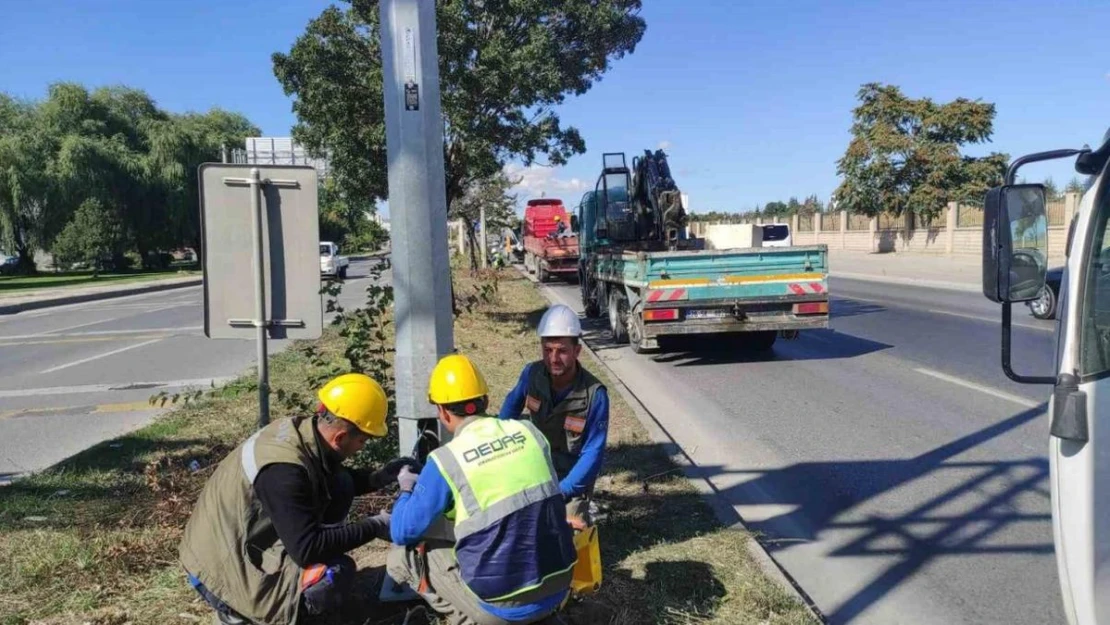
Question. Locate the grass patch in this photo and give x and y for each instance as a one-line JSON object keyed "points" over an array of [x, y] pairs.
{"points": [[94, 539], [15, 285]]}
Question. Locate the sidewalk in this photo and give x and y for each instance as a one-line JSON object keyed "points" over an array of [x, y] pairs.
{"points": [[960, 273], [59, 296]]}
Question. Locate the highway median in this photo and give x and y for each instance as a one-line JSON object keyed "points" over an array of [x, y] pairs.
{"points": [[94, 539]]}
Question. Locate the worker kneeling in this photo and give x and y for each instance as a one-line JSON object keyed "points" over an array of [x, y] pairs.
{"points": [[267, 539], [494, 483]]}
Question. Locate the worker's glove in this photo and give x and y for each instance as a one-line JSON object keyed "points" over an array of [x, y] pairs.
{"points": [[379, 524], [406, 479], [387, 474]]}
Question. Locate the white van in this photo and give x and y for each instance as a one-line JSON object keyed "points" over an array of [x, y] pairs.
{"points": [[776, 235]]}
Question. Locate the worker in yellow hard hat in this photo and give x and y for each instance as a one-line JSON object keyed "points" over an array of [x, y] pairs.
{"points": [[513, 554], [268, 538]]}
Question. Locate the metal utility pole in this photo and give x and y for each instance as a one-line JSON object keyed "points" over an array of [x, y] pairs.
{"points": [[417, 191]]}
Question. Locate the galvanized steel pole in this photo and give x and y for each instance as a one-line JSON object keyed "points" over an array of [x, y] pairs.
{"points": [[418, 208], [260, 321]]}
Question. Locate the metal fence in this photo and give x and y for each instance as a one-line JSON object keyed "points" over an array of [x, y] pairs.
{"points": [[277, 151]]}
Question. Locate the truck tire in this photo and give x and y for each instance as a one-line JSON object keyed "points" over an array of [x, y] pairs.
{"points": [[636, 333], [343, 273], [761, 341], [617, 315], [589, 298], [543, 273]]}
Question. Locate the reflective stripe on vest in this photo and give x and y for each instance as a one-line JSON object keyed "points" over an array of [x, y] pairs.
{"points": [[247, 459]]}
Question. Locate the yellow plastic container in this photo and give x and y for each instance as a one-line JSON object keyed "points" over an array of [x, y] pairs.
{"points": [[587, 570]]}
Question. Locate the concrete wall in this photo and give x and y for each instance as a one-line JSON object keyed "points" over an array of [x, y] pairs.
{"points": [[943, 239]]}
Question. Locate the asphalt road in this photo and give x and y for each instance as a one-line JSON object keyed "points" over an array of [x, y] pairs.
{"points": [[892, 470], [75, 375]]}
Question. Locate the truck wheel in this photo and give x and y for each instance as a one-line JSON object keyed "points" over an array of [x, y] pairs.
{"points": [[544, 275], [343, 273], [760, 341], [636, 333], [617, 314]]}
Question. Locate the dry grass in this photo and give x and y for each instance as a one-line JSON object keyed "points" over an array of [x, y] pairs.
{"points": [[94, 540]]}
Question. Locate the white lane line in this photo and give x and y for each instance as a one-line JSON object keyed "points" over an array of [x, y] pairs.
{"points": [[1021, 401], [104, 388], [992, 320], [99, 356], [104, 304], [16, 337], [74, 327]]}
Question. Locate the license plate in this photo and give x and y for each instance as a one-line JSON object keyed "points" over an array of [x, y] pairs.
{"points": [[706, 314]]}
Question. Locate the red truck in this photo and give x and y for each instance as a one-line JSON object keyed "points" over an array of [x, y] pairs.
{"points": [[546, 250]]}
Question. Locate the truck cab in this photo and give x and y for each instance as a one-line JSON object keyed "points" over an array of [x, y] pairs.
{"points": [[1014, 271]]}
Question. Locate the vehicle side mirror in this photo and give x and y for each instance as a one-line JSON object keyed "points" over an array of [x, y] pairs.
{"points": [[1015, 243]]}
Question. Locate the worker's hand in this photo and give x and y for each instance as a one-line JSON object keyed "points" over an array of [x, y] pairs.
{"points": [[380, 523], [388, 474], [406, 479]]}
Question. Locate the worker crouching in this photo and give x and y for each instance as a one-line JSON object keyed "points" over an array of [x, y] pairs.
{"points": [[267, 540], [513, 553]]}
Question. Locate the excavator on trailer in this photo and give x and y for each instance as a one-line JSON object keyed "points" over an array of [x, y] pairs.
{"points": [[638, 263]]}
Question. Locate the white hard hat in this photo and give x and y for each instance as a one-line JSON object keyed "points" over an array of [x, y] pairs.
{"points": [[560, 320]]}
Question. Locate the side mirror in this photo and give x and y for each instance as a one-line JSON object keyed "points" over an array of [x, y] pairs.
{"points": [[1015, 243]]}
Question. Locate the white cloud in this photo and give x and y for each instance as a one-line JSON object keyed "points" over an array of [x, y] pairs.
{"points": [[538, 179], [664, 145]]}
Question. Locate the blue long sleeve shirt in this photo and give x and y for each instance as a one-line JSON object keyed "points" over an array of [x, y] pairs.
{"points": [[588, 467], [413, 513]]}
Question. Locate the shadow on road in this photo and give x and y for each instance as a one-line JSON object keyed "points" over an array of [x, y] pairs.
{"points": [[962, 520], [852, 308]]}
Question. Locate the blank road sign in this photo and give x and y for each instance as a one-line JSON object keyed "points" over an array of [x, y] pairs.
{"points": [[290, 236]]}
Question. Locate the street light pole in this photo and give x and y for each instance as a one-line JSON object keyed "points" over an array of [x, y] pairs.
{"points": [[418, 208]]}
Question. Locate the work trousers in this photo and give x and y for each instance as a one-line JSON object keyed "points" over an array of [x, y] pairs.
{"points": [[324, 592], [446, 593]]}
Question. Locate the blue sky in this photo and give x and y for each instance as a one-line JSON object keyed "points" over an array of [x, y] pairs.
{"points": [[753, 100]]}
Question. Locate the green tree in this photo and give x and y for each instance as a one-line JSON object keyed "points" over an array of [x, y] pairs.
{"points": [[1051, 191], [95, 236], [493, 193], [905, 154], [504, 67], [1075, 185], [25, 183]]}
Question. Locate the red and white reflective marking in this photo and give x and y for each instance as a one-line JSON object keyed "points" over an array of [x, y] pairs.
{"points": [[667, 295], [806, 288]]}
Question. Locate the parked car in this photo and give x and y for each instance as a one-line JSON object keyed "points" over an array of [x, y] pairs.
{"points": [[331, 263], [777, 235], [1044, 307]]}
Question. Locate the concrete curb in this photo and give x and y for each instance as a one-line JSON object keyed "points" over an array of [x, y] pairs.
{"points": [[11, 309], [721, 509], [931, 284]]}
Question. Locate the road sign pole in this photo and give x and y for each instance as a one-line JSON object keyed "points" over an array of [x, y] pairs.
{"points": [[418, 208], [260, 299]]}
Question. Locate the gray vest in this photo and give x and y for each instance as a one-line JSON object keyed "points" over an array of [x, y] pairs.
{"points": [[563, 423], [230, 544]]}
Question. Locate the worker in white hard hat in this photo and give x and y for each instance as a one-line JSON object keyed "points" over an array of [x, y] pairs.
{"points": [[568, 404]]}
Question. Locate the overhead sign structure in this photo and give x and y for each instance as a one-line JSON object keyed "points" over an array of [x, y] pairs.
{"points": [[261, 232]]}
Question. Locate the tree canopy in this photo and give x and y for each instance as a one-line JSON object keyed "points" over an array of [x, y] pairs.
{"points": [[905, 154], [504, 67], [112, 145]]}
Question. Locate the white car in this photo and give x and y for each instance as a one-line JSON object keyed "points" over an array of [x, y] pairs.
{"points": [[331, 263], [776, 235]]}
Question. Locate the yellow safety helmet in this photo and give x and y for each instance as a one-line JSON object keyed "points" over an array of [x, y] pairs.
{"points": [[456, 380], [357, 398]]}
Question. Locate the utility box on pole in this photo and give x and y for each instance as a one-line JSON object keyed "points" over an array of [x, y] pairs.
{"points": [[417, 190]]}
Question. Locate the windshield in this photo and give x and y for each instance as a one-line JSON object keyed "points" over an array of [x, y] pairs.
{"points": [[776, 233], [325, 250]]}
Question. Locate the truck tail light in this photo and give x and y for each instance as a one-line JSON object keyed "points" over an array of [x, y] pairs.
{"points": [[661, 314], [812, 308]]}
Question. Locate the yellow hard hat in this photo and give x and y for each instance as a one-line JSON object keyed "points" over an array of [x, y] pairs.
{"points": [[558, 218], [357, 398], [455, 379]]}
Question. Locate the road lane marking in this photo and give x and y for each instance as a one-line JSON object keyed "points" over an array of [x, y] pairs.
{"points": [[134, 406], [991, 320], [87, 339], [118, 386], [103, 304], [147, 332], [1021, 401], [99, 356]]}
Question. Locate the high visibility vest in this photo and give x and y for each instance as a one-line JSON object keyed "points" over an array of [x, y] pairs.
{"points": [[512, 538]]}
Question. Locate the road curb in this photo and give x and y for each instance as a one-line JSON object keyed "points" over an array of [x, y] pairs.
{"points": [[931, 284], [721, 509], [11, 309]]}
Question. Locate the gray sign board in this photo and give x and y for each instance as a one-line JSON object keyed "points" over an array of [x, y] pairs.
{"points": [[290, 231]]}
